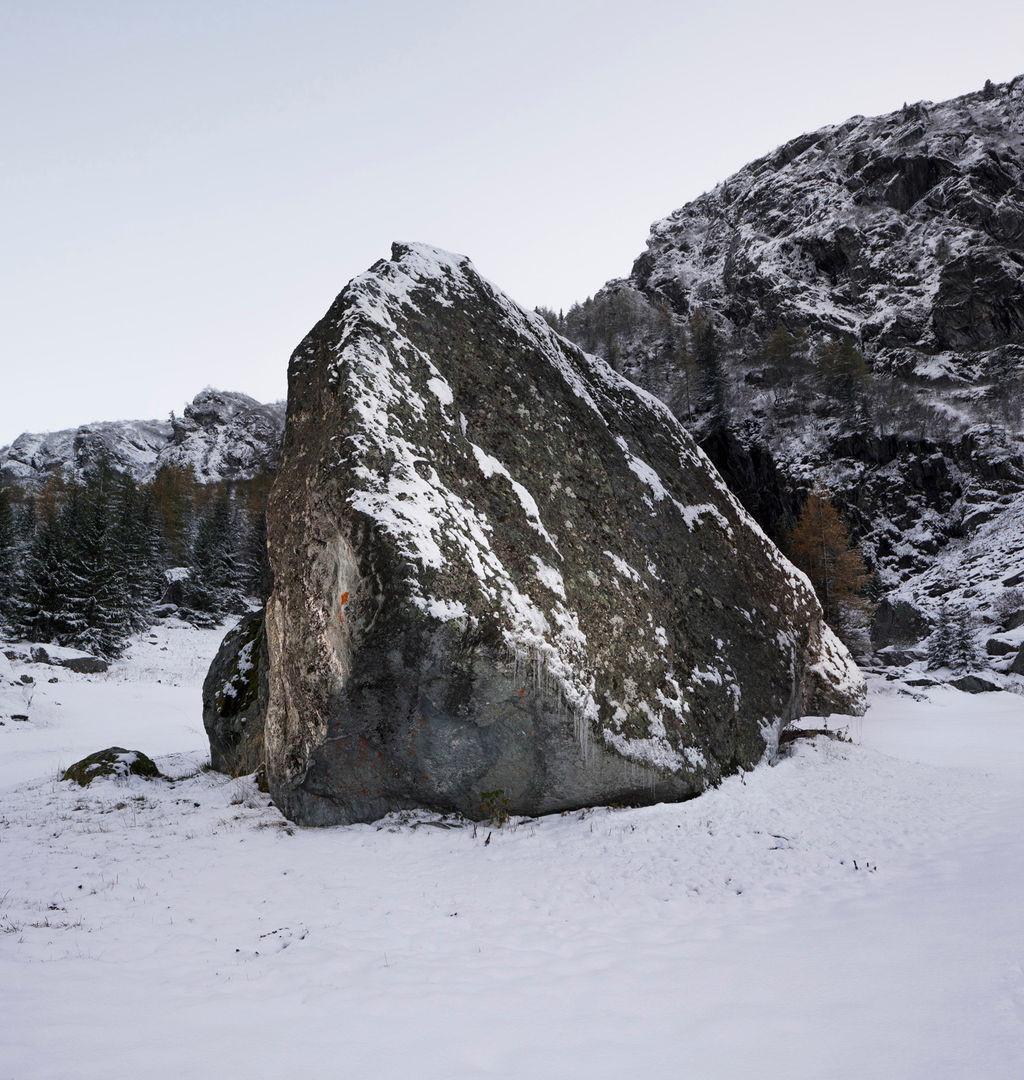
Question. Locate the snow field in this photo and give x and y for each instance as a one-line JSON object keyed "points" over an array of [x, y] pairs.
{"points": [[852, 912]]}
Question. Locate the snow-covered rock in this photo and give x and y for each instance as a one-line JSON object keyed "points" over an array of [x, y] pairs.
{"points": [[221, 435], [505, 579], [905, 231]]}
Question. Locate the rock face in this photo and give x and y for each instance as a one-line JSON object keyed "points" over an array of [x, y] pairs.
{"points": [[225, 436], [221, 435], [906, 232], [503, 574], [235, 698]]}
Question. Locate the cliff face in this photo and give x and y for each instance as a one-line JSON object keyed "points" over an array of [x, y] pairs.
{"points": [[220, 435], [906, 230], [905, 233], [507, 578]]}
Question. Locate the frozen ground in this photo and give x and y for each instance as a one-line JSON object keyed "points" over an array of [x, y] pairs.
{"points": [[854, 912]]}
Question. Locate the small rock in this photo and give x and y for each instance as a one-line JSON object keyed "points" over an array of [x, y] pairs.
{"points": [[973, 684], [86, 665], [114, 761], [1011, 622], [995, 647]]}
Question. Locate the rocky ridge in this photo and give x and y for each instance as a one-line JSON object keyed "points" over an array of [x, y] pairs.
{"points": [[505, 579], [905, 232], [221, 435]]}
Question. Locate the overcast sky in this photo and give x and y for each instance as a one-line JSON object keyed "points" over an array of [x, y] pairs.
{"points": [[186, 186]]}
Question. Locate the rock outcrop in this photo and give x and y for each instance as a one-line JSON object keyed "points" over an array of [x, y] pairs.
{"points": [[906, 233], [220, 435], [503, 574]]}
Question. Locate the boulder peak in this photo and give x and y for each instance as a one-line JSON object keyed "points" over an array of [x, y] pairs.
{"points": [[500, 566]]}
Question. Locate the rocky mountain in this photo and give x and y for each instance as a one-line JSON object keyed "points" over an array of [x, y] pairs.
{"points": [[862, 290], [505, 579], [221, 435]]}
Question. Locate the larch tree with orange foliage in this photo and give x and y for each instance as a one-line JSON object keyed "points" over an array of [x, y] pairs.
{"points": [[820, 545]]}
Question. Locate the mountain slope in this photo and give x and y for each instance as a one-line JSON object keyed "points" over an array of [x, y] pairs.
{"points": [[902, 236], [221, 435]]}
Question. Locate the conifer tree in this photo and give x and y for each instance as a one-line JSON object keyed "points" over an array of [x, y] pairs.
{"points": [[37, 608], [940, 644], [173, 492], [845, 371], [97, 599], [213, 567], [706, 349], [963, 648], [8, 553], [136, 545]]}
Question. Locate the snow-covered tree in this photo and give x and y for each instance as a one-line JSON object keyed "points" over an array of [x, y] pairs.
{"points": [[214, 571], [940, 644], [963, 647], [8, 553], [37, 608]]}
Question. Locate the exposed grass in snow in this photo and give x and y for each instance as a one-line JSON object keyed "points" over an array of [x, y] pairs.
{"points": [[852, 912]]}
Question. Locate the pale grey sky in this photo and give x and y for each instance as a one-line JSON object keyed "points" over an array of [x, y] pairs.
{"points": [[186, 186]]}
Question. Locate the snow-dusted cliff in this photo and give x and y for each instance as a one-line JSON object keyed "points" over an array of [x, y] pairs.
{"points": [[221, 435], [906, 233]]}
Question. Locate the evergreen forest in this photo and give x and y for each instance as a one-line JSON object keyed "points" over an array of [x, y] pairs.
{"points": [[88, 562]]}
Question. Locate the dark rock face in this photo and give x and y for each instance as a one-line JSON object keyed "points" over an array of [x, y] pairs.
{"points": [[503, 572], [898, 624], [235, 698], [114, 761]]}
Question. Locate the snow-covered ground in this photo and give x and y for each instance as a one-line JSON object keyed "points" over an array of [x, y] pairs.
{"points": [[855, 911]]}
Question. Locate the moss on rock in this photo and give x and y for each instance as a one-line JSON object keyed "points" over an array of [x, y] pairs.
{"points": [[114, 761]]}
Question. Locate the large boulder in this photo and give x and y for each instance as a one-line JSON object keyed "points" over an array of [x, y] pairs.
{"points": [[501, 571], [235, 698]]}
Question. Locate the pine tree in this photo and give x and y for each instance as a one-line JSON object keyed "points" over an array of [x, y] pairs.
{"points": [[174, 491], [845, 371], [136, 545], [707, 353], [940, 644], [685, 364], [963, 647], [37, 608], [97, 600], [213, 567], [820, 545], [8, 553]]}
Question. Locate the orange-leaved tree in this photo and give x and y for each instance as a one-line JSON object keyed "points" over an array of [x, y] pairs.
{"points": [[820, 545]]}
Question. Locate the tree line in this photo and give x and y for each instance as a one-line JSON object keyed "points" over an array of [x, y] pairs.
{"points": [[85, 563]]}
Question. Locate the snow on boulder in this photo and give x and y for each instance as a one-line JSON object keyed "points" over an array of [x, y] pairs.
{"points": [[504, 574], [235, 698], [115, 761]]}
